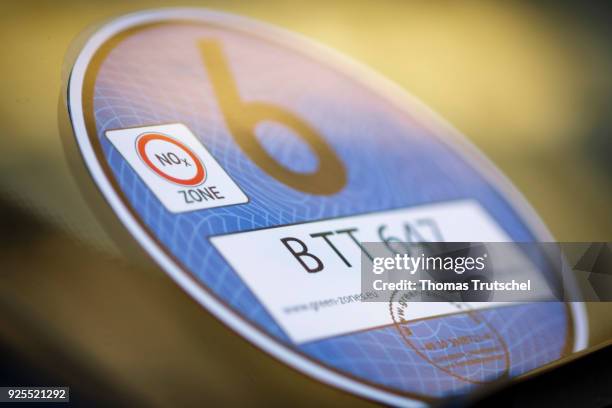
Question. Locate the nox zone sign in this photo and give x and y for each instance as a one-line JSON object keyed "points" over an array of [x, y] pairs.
{"points": [[175, 166], [251, 164]]}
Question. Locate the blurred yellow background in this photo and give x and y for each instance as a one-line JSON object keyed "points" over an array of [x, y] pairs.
{"points": [[529, 85]]}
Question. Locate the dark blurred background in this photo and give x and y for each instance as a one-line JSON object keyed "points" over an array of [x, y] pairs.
{"points": [[529, 84]]}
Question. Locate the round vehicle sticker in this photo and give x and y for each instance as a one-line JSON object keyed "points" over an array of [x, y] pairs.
{"points": [[251, 163]]}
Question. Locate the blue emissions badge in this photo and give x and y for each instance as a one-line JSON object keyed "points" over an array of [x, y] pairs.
{"points": [[251, 163]]}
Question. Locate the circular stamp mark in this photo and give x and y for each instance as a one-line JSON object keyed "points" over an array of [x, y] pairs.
{"points": [[462, 344]]}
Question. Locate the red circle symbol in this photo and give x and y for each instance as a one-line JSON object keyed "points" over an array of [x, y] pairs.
{"points": [[197, 179]]}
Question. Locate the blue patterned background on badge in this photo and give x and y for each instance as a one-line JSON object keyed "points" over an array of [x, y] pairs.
{"points": [[156, 76]]}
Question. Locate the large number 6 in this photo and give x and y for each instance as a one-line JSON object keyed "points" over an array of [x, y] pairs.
{"points": [[242, 117]]}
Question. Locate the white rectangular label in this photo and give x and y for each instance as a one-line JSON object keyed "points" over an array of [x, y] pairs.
{"points": [[177, 168], [313, 296]]}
